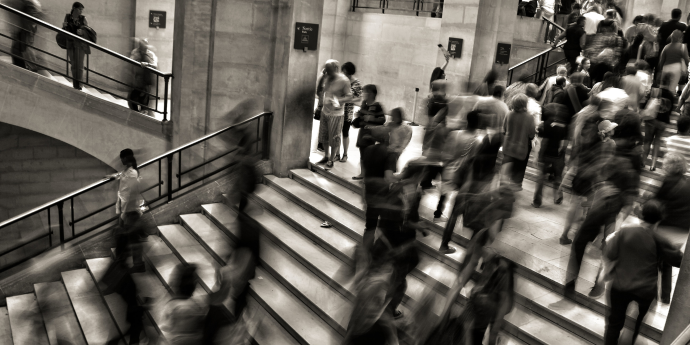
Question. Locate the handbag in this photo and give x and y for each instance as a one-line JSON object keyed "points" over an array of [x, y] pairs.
{"points": [[317, 114], [649, 113], [61, 40]]}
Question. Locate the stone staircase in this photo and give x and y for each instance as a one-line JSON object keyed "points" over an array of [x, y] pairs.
{"points": [[298, 294]]}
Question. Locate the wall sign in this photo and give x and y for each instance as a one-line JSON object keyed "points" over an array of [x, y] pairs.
{"points": [[503, 53], [455, 47], [157, 19], [306, 36]]}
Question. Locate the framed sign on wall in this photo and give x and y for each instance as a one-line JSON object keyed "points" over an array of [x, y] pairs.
{"points": [[306, 36], [503, 53], [157, 19]]}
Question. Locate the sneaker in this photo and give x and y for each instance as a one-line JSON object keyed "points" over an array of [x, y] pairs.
{"points": [[437, 214], [597, 291], [397, 314], [447, 250], [565, 241]]}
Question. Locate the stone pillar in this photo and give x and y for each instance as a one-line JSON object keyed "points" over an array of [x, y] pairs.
{"points": [[459, 21], [294, 86], [679, 312], [495, 24]]}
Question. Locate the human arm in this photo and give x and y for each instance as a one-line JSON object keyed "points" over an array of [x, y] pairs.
{"points": [[583, 40], [559, 38], [346, 92], [447, 60], [611, 248], [662, 58], [668, 252]]}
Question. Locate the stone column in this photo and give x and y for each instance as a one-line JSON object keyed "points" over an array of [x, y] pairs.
{"points": [[495, 24], [294, 86], [679, 313], [459, 21]]}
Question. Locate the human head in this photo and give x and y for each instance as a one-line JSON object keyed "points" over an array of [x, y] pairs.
{"points": [[676, 36], [675, 164], [611, 14], [473, 120], [638, 19], [369, 93], [560, 81], [491, 77], [610, 80], [683, 125], [397, 115], [348, 69], [585, 64], [649, 18], [532, 91], [676, 13], [606, 26], [77, 8], [332, 67], [641, 65], [127, 158], [520, 102], [595, 8], [498, 91], [581, 20], [561, 71], [143, 45], [577, 78], [652, 211], [438, 87], [437, 74], [658, 22], [630, 70], [606, 128]]}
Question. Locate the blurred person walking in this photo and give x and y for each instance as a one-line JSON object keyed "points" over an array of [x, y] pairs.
{"points": [[144, 80], [184, 314], [24, 55], [519, 130], [656, 117], [674, 61], [576, 41]]}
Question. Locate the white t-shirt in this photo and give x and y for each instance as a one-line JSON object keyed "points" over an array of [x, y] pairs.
{"points": [[593, 19]]}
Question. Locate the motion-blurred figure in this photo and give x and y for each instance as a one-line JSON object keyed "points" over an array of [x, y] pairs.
{"points": [[184, 314], [22, 47], [144, 80]]}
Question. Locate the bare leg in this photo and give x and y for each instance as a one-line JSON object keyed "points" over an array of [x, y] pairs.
{"points": [[346, 144], [570, 219], [655, 153]]}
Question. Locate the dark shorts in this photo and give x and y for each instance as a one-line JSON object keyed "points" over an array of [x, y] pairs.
{"points": [[346, 128], [653, 129]]}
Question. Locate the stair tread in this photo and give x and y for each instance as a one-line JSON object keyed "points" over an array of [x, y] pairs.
{"points": [[147, 286], [227, 220], [191, 251], [58, 315], [115, 303], [331, 187], [94, 318], [269, 332], [5, 329], [290, 310], [209, 233], [26, 320]]}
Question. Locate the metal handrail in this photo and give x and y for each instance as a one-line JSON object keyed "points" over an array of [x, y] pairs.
{"points": [[263, 137], [552, 23], [537, 56], [683, 338], [80, 39], [416, 6]]}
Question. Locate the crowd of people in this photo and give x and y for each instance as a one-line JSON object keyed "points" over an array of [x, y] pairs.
{"points": [[585, 126]]}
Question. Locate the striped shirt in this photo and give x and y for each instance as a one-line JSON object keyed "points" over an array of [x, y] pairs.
{"points": [[679, 144]]}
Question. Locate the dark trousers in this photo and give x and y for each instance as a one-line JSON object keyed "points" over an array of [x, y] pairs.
{"points": [[458, 209], [548, 163], [602, 213], [517, 171], [371, 218], [666, 281], [571, 55], [128, 237], [619, 300], [429, 174]]}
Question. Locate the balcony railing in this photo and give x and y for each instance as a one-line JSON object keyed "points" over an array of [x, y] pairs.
{"points": [[56, 221], [435, 8], [539, 67], [103, 77]]}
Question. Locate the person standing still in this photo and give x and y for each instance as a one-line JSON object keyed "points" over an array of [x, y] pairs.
{"points": [[74, 23], [336, 93], [356, 88]]}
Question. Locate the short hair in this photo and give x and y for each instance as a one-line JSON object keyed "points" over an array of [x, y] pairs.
{"points": [[652, 211], [561, 70], [675, 164], [630, 70], [370, 88], [532, 91], [642, 65], [560, 81], [683, 124], [499, 90], [77, 5], [649, 18], [577, 77], [606, 25], [348, 68], [333, 63], [473, 119], [638, 19], [676, 36], [397, 113], [520, 102], [676, 13]]}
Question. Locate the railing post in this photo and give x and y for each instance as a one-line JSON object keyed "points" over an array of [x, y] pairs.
{"points": [[61, 222], [169, 178], [266, 137], [165, 102], [87, 68]]}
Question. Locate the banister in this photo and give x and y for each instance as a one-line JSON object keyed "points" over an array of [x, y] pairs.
{"points": [[107, 180], [552, 23], [71, 35], [559, 45], [683, 338]]}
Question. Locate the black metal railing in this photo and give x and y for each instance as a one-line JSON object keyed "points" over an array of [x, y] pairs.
{"points": [[158, 103], [39, 226], [435, 8], [539, 67], [552, 30]]}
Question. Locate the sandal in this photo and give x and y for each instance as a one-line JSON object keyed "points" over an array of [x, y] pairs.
{"points": [[326, 224], [329, 164], [344, 159]]}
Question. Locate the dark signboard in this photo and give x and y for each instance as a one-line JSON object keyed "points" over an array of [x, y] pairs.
{"points": [[503, 53], [306, 36], [157, 19], [455, 47]]}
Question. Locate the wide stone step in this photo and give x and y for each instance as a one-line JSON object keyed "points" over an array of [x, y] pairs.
{"points": [[26, 320], [58, 316], [511, 244], [5, 328], [190, 251], [93, 314]]}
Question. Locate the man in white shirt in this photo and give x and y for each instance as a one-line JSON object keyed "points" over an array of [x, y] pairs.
{"points": [[593, 18]]}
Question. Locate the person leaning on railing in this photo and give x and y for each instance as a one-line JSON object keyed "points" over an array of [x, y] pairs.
{"points": [[144, 80], [76, 24]]}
